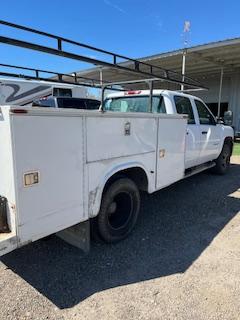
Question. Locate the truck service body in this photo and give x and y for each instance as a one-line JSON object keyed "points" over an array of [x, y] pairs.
{"points": [[60, 168]]}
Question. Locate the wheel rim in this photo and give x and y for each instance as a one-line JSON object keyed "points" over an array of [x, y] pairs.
{"points": [[120, 210]]}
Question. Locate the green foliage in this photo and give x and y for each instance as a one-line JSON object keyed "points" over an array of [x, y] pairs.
{"points": [[236, 149]]}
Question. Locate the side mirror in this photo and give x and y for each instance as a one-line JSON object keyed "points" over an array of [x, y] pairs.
{"points": [[228, 118]]}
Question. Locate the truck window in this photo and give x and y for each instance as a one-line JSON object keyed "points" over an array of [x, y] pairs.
{"points": [[158, 107], [93, 104], [135, 104], [205, 116], [71, 103], [184, 106], [44, 102]]}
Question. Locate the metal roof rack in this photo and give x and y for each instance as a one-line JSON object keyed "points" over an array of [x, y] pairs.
{"points": [[139, 68], [74, 79]]}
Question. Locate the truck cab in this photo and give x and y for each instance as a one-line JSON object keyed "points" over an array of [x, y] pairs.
{"points": [[205, 136]]}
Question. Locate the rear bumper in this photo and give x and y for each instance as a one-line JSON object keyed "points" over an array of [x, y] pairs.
{"points": [[8, 242]]}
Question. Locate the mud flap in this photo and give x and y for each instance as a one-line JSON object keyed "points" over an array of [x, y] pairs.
{"points": [[78, 236], [3, 215]]}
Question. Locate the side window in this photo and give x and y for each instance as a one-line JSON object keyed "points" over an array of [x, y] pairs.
{"points": [[49, 103], [183, 106], [71, 103], [205, 117], [92, 104]]}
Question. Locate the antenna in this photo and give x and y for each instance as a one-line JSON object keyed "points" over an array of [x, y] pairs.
{"points": [[186, 33]]}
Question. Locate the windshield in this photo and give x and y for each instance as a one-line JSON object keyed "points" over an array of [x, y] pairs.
{"points": [[135, 104]]}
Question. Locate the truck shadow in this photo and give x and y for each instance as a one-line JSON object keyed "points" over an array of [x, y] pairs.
{"points": [[175, 227]]}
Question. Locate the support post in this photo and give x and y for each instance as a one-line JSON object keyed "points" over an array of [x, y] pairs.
{"points": [[102, 98], [183, 67], [220, 94], [101, 76], [150, 83]]}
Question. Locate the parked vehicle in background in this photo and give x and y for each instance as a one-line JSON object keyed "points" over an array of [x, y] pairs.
{"points": [[23, 92], [67, 102]]}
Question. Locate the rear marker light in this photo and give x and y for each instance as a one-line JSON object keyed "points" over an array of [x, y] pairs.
{"points": [[19, 111]]}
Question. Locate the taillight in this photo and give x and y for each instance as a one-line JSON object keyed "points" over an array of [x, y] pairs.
{"points": [[19, 111]]}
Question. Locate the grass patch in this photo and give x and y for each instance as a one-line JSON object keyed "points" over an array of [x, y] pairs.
{"points": [[236, 149]]}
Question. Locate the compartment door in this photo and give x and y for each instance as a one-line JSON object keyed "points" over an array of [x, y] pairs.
{"points": [[50, 172], [170, 151]]}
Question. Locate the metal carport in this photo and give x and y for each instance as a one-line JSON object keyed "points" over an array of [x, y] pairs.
{"points": [[216, 65]]}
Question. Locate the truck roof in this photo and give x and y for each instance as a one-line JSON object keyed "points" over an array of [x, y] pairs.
{"points": [[147, 92]]}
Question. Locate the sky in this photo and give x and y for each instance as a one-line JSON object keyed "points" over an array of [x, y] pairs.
{"points": [[135, 28]]}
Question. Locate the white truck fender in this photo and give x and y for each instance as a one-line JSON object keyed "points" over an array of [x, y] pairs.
{"points": [[227, 133], [95, 195]]}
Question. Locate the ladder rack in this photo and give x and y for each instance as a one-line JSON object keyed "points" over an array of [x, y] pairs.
{"points": [[140, 69], [57, 77]]}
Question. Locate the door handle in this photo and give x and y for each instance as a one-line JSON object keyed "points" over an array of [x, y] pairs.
{"points": [[204, 132]]}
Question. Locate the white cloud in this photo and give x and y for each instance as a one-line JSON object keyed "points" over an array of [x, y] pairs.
{"points": [[114, 6]]}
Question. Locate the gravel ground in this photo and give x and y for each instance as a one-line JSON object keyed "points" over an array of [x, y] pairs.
{"points": [[181, 262]]}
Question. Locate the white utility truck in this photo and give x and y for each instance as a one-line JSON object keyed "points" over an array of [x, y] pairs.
{"points": [[60, 167]]}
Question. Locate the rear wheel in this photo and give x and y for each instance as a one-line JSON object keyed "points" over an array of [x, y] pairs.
{"points": [[119, 210], [223, 161]]}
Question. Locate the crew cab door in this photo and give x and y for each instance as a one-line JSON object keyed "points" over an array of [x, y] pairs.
{"points": [[184, 106], [210, 133]]}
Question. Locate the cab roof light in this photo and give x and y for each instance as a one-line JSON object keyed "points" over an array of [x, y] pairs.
{"points": [[127, 93]]}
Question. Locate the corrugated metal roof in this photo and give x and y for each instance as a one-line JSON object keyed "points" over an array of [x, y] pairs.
{"points": [[204, 46], [202, 62]]}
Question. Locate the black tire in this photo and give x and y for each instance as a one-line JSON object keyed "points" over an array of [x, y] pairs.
{"points": [[223, 161], [119, 211]]}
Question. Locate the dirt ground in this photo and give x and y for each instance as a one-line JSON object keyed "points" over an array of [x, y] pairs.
{"points": [[181, 262]]}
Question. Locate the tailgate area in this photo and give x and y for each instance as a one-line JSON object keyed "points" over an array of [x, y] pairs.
{"points": [[8, 242], [8, 238]]}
